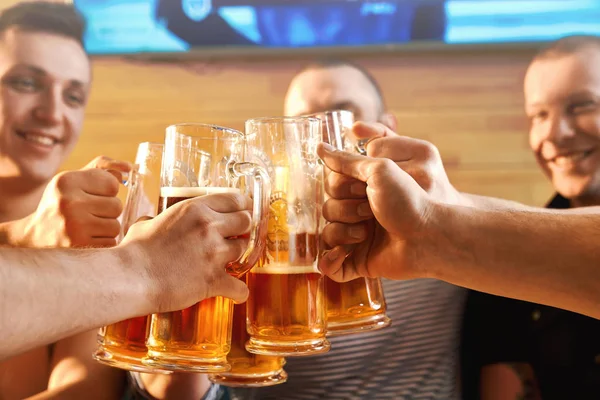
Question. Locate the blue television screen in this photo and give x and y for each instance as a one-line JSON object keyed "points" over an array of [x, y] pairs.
{"points": [[173, 26]]}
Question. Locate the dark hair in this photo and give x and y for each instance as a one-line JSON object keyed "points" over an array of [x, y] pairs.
{"points": [[43, 16], [337, 63], [568, 45]]}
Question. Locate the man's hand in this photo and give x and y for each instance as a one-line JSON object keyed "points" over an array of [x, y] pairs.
{"points": [[78, 209], [418, 158], [386, 246], [184, 250]]}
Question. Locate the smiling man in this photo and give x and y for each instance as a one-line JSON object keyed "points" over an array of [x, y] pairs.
{"points": [[45, 78], [515, 349]]}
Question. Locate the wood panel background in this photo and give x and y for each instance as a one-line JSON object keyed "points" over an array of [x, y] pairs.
{"points": [[470, 104]]}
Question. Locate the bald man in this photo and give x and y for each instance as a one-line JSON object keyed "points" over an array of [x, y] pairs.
{"points": [[417, 356]]}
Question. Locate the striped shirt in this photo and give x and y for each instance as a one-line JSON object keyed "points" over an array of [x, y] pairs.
{"points": [[415, 358]]}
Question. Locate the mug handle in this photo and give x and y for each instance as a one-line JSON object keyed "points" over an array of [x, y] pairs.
{"points": [[260, 210]]}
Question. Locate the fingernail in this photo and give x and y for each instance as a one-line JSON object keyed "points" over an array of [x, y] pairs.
{"points": [[358, 189], [364, 209], [357, 232], [328, 148]]}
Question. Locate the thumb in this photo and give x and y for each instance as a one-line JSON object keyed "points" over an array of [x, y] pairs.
{"points": [[230, 287], [364, 132], [103, 162], [336, 264], [371, 130], [352, 165]]}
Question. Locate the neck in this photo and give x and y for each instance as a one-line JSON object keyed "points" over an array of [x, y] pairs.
{"points": [[19, 199]]}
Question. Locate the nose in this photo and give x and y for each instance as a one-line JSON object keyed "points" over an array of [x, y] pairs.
{"points": [[50, 107], [557, 128]]}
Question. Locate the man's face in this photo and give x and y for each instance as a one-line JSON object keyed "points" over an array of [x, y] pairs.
{"points": [[45, 81], [562, 98], [335, 88]]}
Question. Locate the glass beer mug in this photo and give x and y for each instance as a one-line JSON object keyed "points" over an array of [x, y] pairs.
{"points": [[286, 307], [247, 369], [359, 305], [123, 344], [199, 160]]}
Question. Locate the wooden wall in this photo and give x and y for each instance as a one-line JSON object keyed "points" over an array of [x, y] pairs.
{"points": [[468, 104]]}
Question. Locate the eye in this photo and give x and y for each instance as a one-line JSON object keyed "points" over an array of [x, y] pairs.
{"points": [[74, 98], [538, 116], [581, 107], [24, 84]]}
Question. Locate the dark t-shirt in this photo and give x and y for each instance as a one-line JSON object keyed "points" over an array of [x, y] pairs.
{"points": [[562, 347]]}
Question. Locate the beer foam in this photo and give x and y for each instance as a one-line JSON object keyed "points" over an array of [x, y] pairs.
{"points": [[194, 191], [285, 269]]}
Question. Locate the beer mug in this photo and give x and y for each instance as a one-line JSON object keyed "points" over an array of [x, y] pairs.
{"points": [[247, 369], [286, 307], [198, 160], [123, 344], [359, 305]]}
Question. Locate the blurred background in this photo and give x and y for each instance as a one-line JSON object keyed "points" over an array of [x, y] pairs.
{"points": [[451, 71]]}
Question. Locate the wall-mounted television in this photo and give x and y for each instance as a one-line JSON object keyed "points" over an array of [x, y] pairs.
{"points": [[255, 26]]}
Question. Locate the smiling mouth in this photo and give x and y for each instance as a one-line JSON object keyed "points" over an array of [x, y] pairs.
{"points": [[37, 139], [569, 160]]}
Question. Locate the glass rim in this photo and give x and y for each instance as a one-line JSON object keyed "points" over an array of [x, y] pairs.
{"points": [[330, 112], [173, 129], [286, 119], [151, 144]]}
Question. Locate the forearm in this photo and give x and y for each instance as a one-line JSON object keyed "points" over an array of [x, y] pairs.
{"points": [[541, 256], [48, 294], [491, 203]]}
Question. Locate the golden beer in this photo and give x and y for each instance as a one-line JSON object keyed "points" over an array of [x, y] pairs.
{"points": [[247, 369], [286, 313], [199, 337], [123, 344], [355, 306]]}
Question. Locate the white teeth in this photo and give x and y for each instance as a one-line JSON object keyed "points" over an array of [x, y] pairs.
{"points": [[565, 161], [46, 141]]}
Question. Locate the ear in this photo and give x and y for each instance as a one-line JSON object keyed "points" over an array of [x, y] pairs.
{"points": [[389, 120]]}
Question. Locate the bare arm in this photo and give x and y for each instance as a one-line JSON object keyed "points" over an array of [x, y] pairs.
{"points": [[491, 203], [48, 294], [544, 256]]}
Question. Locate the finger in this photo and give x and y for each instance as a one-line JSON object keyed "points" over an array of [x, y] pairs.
{"points": [[236, 248], [226, 202], [104, 162], [103, 207], [228, 286], [335, 265], [233, 224], [352, 165], [104, 228], [371, 130], [98, 182], [337, 233], [347, 210], [101, 242], [401, 148], [341, 186]]}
